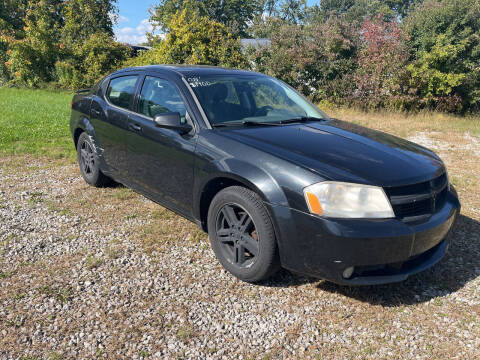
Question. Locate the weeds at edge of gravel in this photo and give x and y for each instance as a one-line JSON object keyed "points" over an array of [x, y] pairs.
{"points": [[92, 262], [61, 294], [185, 333]]}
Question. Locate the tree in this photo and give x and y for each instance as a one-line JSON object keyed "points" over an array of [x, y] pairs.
{"points": [[401, 8], [316, 59], [293, 11], [12, 16], [195, 39], [270, 7], [31, 59], [360, 10], [68, 41], [88, 49], [266, 26], [88, 61], [235, 14], [444, 43], [381, 79], [86, 17]]}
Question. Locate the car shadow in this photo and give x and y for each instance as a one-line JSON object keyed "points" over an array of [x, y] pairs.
{"points": [[285, 278], [460, 265], [112, 184]]}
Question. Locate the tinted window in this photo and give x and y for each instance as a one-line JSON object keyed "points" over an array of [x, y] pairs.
{"points": [[121, 91], [159, 96]]}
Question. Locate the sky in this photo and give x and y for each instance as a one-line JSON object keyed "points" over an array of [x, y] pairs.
{"points": [[133, 20]]}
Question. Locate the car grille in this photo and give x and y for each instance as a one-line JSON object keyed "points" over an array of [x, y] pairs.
{"points": [[417, 202]]}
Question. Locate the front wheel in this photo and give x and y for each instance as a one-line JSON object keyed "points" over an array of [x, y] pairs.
{"points": [[88, 162], [242, 234]]}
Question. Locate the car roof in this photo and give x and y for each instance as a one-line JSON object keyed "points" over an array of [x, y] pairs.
{"points": [[189, 70]]}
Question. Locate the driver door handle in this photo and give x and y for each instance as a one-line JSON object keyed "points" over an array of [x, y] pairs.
{"points": [[135, 127]]}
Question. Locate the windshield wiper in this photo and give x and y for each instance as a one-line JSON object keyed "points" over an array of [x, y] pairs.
{"points": [[246, 123], [301, 119], [267, 123]]}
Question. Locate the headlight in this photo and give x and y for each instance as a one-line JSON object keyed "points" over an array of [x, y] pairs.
{"points": [[346, 200]]}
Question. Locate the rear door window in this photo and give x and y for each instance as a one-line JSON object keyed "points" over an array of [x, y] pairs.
{"points": [[121, 91]]}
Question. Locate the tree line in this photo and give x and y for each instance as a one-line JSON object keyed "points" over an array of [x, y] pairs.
{"points": [[65, 43], [402, 55]]}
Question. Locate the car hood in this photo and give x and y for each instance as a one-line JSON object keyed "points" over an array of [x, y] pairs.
{"points": [[343, 151]]}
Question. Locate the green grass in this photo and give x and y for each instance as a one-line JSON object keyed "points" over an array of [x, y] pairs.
{"points": [[35, 122]]}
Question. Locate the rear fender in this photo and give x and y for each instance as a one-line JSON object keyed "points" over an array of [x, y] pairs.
{"points": [[85, 125]]}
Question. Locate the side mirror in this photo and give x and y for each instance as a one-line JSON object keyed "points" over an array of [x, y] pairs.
{"points": [[172, 121]]}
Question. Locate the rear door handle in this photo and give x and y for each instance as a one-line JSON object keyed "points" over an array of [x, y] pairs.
{"points": [[96, 112], [135, 127]]}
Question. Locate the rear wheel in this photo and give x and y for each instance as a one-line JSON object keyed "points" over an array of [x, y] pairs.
{"points": [[242, 234], [88, 162]]}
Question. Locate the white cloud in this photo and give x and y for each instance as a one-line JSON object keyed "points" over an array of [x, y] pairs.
{"points": [[122, 19], [134, 35]]}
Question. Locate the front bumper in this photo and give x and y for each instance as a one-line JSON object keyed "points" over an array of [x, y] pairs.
{"points": [[382, 251]]}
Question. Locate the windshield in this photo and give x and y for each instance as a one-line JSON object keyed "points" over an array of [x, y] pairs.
{"points": [[250, 98]]}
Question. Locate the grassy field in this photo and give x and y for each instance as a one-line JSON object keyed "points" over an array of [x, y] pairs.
{"points": [[404, 125], [35, 122]]}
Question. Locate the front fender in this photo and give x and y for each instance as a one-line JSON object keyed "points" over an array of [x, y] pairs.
{"points": [[278, 182], [243, 172]]}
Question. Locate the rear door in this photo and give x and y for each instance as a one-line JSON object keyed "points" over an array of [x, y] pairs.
{"points": [[109, 117], [163, 160]]}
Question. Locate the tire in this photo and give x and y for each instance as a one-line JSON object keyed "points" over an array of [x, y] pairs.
{"points": [[232, 234], [88, 162]]}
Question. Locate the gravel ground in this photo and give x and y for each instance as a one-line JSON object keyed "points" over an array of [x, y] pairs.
{"points": [[105, 273]]}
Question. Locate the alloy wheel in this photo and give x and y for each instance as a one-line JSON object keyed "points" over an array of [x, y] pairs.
{"points": [[237, 235], [87, 158]]}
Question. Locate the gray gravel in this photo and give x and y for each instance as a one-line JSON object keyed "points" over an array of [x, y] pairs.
{"points": [[73, 286]]}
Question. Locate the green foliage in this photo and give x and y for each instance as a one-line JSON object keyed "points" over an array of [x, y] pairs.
{"points": [[444, 37], [4, 54], [355, 53], [88, 61], [194, 39], [88, 49], [84, 18], [359, 10], [316, 60], [46, 40], [31, 59], [266, 27], [293, 11], [235, 14], [430, 75], [12, 14]]}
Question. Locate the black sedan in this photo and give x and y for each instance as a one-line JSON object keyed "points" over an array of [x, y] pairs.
{"points": [[273, 180]]}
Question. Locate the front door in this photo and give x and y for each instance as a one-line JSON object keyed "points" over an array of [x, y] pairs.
{"points": [[162, 160]]}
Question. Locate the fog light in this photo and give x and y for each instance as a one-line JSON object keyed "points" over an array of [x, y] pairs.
{"points": [[348, 272]]}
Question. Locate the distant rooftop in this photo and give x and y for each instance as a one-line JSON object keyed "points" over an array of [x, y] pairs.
{"points": [[256, 43]]}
